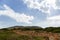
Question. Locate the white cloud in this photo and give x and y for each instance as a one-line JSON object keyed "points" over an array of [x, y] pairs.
{"points": [[54, 18], [16, 16], [54, 21], [51, 21], [44, 5]]}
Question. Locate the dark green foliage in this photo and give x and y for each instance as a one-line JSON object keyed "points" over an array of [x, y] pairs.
{"points": [[49, 29], [52, 29]]}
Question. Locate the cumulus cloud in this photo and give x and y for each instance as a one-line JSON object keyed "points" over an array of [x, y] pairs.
{"points": [[42, 5], [19, 17], [46, 6]]}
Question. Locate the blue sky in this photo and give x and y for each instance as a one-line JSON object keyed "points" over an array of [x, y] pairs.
{"points": [[42, 13]]}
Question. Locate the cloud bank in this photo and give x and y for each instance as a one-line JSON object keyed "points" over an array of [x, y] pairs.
{"points": [[19, 17], [42, 5], [48, 7]]}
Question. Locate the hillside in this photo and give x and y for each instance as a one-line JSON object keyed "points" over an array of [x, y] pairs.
{"points": [[30, 33]]}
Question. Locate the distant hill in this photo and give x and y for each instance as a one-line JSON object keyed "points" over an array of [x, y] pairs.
{"points": [[36, 28]]}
